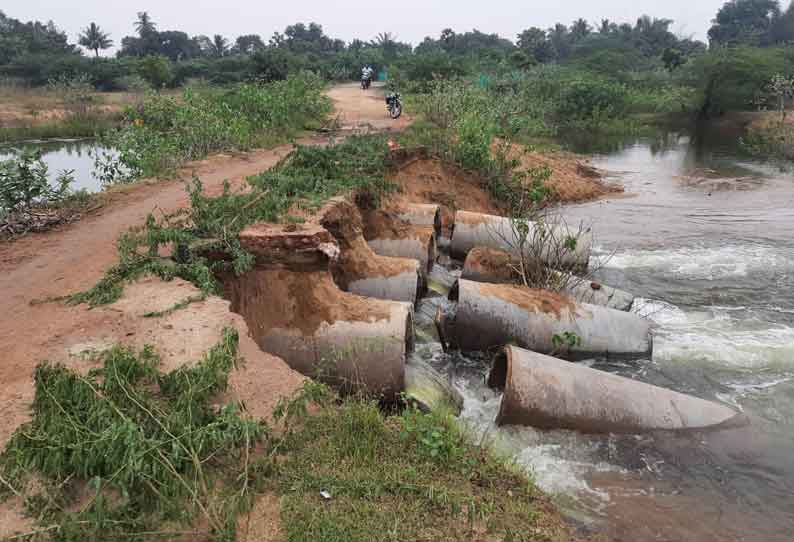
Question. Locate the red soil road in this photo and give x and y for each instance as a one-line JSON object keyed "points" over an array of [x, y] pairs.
{"points": [[74, 258]]}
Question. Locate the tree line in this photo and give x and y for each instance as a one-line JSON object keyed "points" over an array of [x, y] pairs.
{"points": [[748, 40]]}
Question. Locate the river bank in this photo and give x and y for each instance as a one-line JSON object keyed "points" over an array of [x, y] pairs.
{"points": [[42, 266]]}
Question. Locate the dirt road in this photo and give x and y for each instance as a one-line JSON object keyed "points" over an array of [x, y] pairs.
{"points": [[360, 110], [60, 262]]}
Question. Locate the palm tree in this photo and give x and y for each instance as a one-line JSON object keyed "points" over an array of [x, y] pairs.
{"points": [[144, 25], [94, 39], [579, 29], [219, 46]]}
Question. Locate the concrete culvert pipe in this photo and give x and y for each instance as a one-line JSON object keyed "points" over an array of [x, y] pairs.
{"points": [[419, 243], [493, 315], [499, 267], [351, 342], [389, 235], [421, 214], [548, 393], [358, 269], [498, 232]]}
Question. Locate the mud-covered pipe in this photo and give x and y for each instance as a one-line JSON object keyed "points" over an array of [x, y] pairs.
{"points": [[552, 243], [421, 214], [358, 269], [493, 315], [416, 242], [498, 267], [548, 393], [351, 342]]}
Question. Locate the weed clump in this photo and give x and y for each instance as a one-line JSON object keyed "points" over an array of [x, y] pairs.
{"points": [[152, 448]]}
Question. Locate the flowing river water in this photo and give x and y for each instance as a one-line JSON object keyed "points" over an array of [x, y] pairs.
{"points": [[706, 240]]}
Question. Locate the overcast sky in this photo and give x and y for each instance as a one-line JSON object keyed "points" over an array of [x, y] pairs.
{"points": [[410, 20]]}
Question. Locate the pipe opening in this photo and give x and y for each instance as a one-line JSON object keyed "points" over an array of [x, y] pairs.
{"points": [[497, 379], [454, 292], [431, 253]]}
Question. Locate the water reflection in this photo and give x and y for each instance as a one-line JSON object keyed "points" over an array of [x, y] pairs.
{"points": [[76, 155]]}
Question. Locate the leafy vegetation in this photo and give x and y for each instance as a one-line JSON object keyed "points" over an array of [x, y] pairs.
{"points": [[306, 178], [164, 132], [127, 452], [28, 201], [151, 447]]}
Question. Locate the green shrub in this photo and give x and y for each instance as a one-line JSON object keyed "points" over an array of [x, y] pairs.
{"points": [[156, 70], [25, 184], [591, 99], [152, 447], [164, 132]]}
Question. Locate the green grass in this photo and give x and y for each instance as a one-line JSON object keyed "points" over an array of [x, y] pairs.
{"points": [[91, 126], [128, 450], [411, 476]]}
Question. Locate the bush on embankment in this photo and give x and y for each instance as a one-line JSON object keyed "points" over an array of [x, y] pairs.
{"points": [[127, 452], [303, 180], [164, 132]]}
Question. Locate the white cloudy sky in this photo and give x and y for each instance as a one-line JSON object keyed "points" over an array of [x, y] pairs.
{"points": [[410, 20]]}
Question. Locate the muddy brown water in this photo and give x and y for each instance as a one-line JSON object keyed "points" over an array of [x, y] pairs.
{"points": [[706, 241]]}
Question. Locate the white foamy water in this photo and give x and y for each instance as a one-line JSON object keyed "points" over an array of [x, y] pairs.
{"points": [[702, 263], [717, 335], [559, 461]]}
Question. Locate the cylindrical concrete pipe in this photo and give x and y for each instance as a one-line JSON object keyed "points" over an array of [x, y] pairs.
{"points": [[416, 242], [421, 214], [498, 232], [358, 269], [390, 235], [354, 343], [498, 267], [493, 315], [548, 393]]}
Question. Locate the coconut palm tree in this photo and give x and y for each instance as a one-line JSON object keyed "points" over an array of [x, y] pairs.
{"points": [[220, 46], [94, 39], [144, 25]]}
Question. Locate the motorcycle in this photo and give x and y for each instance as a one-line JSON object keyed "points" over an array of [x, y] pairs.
{"points": [[366, 82], [394, 105]]}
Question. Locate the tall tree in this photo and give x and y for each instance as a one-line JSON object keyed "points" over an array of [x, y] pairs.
{"points": [[535, 44], [144, 25], [220, 46], [94, 39], [744, 22], [248, 44], [580, 29]]}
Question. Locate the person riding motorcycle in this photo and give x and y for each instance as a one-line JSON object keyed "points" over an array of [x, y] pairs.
{"points": [[366, 75]]}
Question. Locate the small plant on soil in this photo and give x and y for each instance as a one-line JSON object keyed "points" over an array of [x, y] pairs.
{"points": [[28, 201], [127, 450]]}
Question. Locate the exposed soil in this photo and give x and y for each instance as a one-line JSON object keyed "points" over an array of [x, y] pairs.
{"points": [[490, 265], [275, 298], [75, 257], [31, 107], [364, 110], [430, 180], [263, 522], [530, 299], [572, 179]]}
